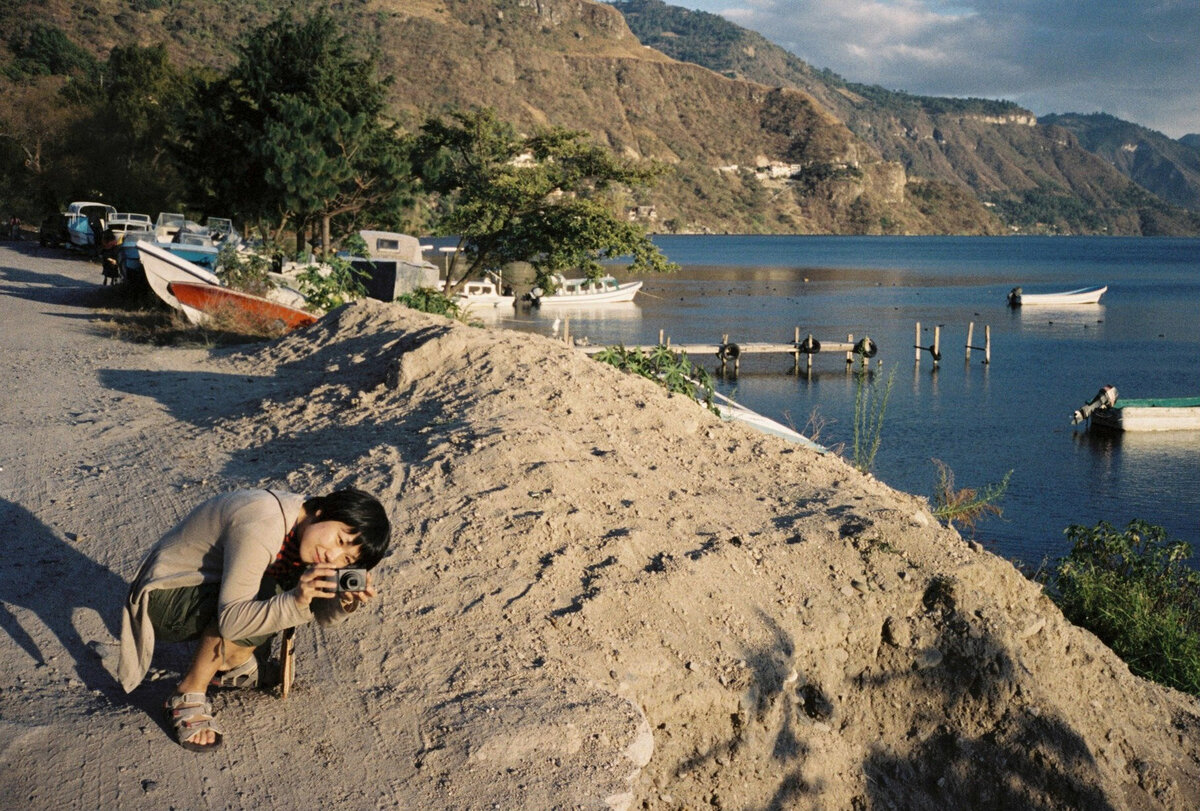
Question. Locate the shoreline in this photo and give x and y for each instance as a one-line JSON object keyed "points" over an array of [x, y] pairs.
{"points": [[599, 595]]}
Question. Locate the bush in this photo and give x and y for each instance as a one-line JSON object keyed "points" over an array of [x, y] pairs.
{"points": [[330, 287], [1137, 593], [247, 272], [428, 300], [671, 370]]}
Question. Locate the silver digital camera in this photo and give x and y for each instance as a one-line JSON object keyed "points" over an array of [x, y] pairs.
{"points": [[349, 580]]}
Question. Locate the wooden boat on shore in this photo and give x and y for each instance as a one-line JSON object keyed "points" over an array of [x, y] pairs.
{"points": [[1084, 295], [163, 267], [200, 302], [1106, 411]]}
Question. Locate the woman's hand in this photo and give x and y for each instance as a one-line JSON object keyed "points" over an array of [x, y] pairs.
{"points": [[351, 600], [316, 584]]}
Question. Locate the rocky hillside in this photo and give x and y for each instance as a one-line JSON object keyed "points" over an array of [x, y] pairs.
{"points": [[1169, 168], [743, 157], [748, 148], [1039, 178]]}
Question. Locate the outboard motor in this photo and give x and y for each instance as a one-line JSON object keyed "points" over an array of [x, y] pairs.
{"points": [[1105, 398], [1014, 297]]}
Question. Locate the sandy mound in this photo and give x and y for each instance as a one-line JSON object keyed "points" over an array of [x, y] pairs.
{"points": [[793, 632], [599, 596]]}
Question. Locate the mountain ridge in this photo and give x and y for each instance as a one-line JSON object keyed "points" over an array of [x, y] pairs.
{"points": [[935, 137], [744, 155]]}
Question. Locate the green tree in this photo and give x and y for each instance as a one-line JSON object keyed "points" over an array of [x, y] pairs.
{"points": [[34, 117], [120, 147], [543, 198], [294, 133]]}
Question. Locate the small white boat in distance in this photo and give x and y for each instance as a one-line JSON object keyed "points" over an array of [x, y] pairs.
{"points": [[568, 292], [1105, 410], [1084, 295]]}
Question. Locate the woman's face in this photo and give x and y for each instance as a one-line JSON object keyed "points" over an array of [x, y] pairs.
{"points": [[329, 543]]}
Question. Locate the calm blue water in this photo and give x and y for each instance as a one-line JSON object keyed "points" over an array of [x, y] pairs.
{"points": [[981, 420]]}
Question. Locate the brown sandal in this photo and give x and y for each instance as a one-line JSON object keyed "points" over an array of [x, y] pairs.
{"points": [[191, 713]]}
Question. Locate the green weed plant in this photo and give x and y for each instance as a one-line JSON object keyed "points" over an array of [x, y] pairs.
{"points": [[429, 300], [1134, 590], [247, 272], [966, 506], [870, 405], [330, 287], [670, 369]]}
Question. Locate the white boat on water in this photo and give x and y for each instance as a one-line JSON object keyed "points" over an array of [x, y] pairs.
{"points": [[577, 292], [1084, 295], [1106, 410]]}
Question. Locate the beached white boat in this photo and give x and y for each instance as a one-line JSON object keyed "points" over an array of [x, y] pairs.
{"points": [[163, 267], [83, 217], [1084, 295], [123, 224], [1106, 410], [570, 292]]}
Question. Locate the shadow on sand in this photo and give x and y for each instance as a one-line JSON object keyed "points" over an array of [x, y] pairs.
{"points": [[965, 742], [77, 599]]}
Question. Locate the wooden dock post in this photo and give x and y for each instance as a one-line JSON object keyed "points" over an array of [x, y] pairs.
{"points": [[934, 349], [987, 342], [850, 352]]}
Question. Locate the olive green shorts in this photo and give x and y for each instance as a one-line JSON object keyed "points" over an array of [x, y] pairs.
{"points": [[182, 614]]}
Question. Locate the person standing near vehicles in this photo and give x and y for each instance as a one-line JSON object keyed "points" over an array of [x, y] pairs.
{"points": [[239, 568]]}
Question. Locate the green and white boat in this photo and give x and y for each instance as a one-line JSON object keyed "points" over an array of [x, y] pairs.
{"points": [[1106, 410]]}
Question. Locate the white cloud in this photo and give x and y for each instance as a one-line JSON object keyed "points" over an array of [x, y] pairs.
{"points": [[1136, 60]]}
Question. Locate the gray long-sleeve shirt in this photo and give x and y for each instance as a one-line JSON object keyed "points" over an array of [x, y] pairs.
{"points": [[230, 539]]}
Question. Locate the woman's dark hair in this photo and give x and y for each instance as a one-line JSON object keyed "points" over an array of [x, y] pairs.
{"points": [[365, 516]]}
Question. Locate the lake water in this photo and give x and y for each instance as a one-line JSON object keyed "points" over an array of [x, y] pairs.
{"points": [[982, 420]]}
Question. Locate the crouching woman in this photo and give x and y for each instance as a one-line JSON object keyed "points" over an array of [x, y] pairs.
{"points": [[241, 567]]}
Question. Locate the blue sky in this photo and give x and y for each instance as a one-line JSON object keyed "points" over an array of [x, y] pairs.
{"points": [[1135, 59]]}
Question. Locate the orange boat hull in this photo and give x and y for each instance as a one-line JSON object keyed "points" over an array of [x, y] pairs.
{"points": [[209, 298]]}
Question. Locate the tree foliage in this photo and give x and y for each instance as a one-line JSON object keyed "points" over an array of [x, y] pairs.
{"points": [[294, 133], [543, 198], [44, 50]]}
